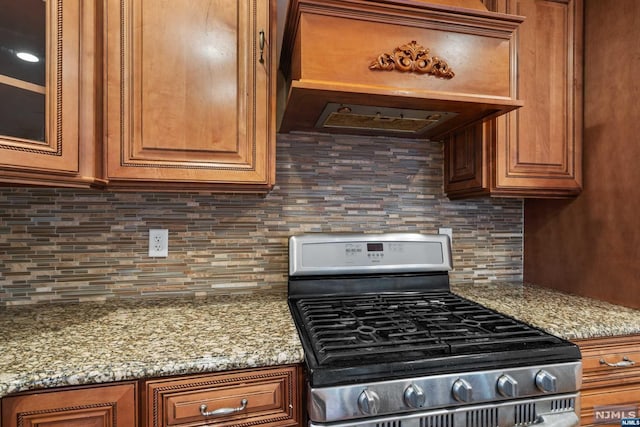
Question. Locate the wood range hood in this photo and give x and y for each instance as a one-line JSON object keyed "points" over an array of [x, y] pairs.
{"points": [[408, 68]]}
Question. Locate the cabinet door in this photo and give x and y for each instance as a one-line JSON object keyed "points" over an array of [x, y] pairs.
{"points": [[539, 146], [190, 94], [600, 405], [40, 108], [466, 162], [536, 150], [99, 406]]}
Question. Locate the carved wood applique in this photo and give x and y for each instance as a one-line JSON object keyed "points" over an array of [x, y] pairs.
{"points": [[412, 57]]}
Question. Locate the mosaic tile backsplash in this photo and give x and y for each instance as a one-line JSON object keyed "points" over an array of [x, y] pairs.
{"points": [[59, 245]]}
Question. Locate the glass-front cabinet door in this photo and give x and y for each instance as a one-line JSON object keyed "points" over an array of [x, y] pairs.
{"points": [[23, 27], [41, 49]]}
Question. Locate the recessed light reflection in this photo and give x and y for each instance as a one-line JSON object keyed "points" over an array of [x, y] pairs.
{"points": [[26, 56]]}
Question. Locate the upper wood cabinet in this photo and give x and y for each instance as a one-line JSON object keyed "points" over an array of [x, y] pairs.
{"points": [[535, 151], [190, 94], [49, 102]]}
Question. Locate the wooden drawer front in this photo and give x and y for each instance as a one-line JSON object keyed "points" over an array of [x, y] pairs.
{"points": [[263, 397], [592, 362], [270, 395], [596, 374], [621, 351]]}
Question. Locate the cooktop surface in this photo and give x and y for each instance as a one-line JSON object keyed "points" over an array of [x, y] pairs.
{"points": [[396, 333]]}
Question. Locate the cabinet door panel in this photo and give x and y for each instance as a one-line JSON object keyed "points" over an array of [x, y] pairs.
{"points": [[99, 406], [188, 98], [87, 417], [539, 145], [188, 79], [54, 106], [603, 399], [465, 161]]}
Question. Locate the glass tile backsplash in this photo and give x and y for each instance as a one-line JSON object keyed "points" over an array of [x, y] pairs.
{"points": [[87, 245]]}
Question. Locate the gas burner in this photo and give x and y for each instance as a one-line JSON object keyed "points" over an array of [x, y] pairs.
{"points": [[459, 327]]}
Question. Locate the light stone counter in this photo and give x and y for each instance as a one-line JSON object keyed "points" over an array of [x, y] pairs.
{"points": [[69, 344], [567, 316]]}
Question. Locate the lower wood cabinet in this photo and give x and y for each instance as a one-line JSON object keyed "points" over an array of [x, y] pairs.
{"points": [[267, 397], [264, 397], [611, 379], [95, 406]]}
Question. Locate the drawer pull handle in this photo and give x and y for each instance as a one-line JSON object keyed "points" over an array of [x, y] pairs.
{"points": [[624, 363], [261, 37], [223, 411]]}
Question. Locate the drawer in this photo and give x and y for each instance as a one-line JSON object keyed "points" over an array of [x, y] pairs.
{"points": [[610, 361], [266, 397]]}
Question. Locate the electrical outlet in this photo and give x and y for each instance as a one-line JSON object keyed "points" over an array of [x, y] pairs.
{"points": [[448, 232], [159, 243]]}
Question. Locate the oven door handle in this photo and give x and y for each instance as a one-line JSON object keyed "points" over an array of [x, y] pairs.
{"points": [[560, 419]]}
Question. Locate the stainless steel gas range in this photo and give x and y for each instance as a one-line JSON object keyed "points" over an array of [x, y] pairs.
{"points": [[387, 344]]}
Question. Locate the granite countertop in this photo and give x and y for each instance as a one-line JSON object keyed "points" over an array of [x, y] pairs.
{"points": [[45, 346], [568, 316]]}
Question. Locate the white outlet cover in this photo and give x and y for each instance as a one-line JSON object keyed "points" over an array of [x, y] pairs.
{"points": [[159, 243], [448, 231]]}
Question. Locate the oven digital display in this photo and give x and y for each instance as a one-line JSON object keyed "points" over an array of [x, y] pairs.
{"points": [[374, 247]]}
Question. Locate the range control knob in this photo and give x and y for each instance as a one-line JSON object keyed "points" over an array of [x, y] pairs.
{"points": [[462, 390], [507, 386], [414, 396], [369, 402], [546, 382]]}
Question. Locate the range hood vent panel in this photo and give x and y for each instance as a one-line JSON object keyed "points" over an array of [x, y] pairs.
{"points": [[392, 56], [397, 120]]}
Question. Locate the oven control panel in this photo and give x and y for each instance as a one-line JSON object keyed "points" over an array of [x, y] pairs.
{"points": [[368, 253], [388, 253], [394, 396]]}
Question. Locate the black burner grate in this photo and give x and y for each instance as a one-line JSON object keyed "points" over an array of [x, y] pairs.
{"points": [[408, 326]]}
